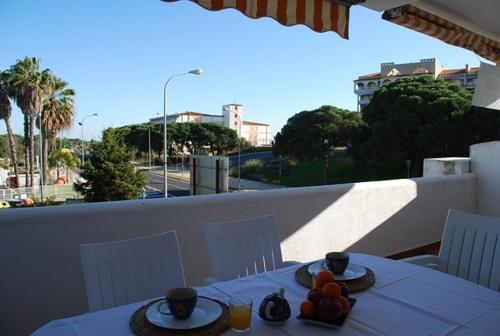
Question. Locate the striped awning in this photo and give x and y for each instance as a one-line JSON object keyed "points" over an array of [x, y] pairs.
{"points": [[319, 15], [414, 18]]}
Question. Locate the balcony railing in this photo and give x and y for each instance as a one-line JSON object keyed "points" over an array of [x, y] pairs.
{"points": [[53, 191]]}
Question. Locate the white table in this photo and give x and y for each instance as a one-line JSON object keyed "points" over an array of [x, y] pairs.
{"points": [[405, 300]]}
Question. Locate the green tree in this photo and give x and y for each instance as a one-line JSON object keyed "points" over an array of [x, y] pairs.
{"points": [[109, 174], [482, 124], [181, 137], [30, 87], [63, 158], [244, 144], [57, 115], [5, 114], [311, 135], [194, 137], [221, 139], [411, 119]]}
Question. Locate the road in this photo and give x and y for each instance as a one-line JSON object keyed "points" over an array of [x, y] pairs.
{"points": [[262, 156], [175, 187]]}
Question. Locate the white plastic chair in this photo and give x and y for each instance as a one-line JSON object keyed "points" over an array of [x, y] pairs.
{"points": [[244, 247], [470, 249], [126, 271]]}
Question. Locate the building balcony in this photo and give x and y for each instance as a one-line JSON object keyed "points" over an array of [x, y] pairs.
{"points": [[365, 90], [40, 246], [364, 101]]}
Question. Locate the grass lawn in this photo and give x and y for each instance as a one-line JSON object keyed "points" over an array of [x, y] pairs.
{"points": [[341, 169]]}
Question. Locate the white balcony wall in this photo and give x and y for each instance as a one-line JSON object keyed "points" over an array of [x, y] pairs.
{"points": [[485, 162], [41, 273]]}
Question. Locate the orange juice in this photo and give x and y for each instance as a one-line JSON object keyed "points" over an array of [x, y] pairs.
{"points": [[240, 318]]}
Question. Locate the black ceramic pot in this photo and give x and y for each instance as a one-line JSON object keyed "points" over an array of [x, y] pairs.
{"points": [[275, 309]]}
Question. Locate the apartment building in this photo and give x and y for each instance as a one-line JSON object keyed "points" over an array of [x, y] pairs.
{"points": [[366, 85]]}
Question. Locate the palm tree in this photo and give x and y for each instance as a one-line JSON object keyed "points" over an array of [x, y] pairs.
{"points": [[30, 87], [5, 114], [57, 114]]}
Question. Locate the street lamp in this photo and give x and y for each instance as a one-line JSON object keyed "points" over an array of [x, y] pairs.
{"points": [[239, 154], [40, 160], [408, 167], [192, 72], [149, 146], [83, 143]]}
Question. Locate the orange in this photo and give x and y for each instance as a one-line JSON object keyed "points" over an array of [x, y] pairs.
{"points": [[308, 309], [323, 278], [331, 290], [346, 305]]}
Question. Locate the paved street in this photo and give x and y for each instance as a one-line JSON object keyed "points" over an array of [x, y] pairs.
{"points": [[176, 187]]}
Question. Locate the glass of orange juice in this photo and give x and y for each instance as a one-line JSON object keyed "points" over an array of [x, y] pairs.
{"points": [[240, 313]]}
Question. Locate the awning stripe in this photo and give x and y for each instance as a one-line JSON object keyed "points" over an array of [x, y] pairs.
{"points": [[272, 7], [326, 16], [318, 18], [334, 15], [291, 13], [426, 23], [319, 15], [300, 12]]}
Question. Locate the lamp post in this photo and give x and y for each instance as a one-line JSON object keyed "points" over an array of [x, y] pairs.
{"points": [[149, 146], [408, 167], [239, 154], [192, 72], [40, 160], [83, 143]]}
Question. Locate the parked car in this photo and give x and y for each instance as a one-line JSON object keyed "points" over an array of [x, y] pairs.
{"points": [[16, 203]]}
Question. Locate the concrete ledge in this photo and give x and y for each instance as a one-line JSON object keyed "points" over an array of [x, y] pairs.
{"points": [[446, 166]]}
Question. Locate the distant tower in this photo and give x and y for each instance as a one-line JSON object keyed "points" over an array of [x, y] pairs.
{"points": [[233, 116]]}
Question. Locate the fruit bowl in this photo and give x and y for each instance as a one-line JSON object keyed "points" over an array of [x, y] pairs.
{"points": [[322, 323]]}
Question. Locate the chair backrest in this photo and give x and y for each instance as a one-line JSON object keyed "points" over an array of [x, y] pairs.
{"points": [[470, 248], [241, 248], [131, 270]]}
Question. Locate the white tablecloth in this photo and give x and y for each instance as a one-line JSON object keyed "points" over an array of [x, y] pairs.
{"points": [[405, 300]]}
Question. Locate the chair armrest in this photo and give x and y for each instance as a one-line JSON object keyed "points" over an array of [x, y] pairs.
{"points": [[210, 281], [429, 261]]}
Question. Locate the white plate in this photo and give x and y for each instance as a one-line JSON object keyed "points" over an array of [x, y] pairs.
{"points": [[205, 312], [352, 272]]}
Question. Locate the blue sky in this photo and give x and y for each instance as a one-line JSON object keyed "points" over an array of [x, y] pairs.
{"points": [[117, 55]]}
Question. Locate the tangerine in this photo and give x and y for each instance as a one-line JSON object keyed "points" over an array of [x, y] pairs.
{"points": [[323, 278], [331, 290], [308, 309], [346, 305]]}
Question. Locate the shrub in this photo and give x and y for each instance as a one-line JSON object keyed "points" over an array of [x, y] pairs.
{"points": [[250, 167], [233, 172]]}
